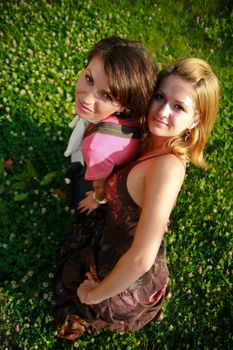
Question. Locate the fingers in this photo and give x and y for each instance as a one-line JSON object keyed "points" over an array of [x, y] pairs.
{"points": [[89, 276], [83, 207], [88, 193]]}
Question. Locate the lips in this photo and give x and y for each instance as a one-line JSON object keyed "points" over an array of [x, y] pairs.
{"points": [[159, 121], [84, 107]]}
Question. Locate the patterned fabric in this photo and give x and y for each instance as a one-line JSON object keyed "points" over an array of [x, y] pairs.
{"points": [[109, 144], [97, 246]]}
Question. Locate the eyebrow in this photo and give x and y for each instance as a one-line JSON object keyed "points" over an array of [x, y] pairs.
{"points": [[103, 90], [89, 71], [177, 101]]}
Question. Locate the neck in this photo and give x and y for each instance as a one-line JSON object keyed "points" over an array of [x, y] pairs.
{"points": [[158, 145], [155, 149]]}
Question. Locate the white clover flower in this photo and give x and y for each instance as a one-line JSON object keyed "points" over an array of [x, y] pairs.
{"points": [[60, 90], [68, 98], [22, 92], [51, 275], [12, 236], [43, 210]]}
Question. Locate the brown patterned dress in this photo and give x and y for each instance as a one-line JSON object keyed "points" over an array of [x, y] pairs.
{"points": [[96, 246]]}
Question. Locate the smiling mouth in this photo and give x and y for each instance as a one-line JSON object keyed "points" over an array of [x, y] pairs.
{"points": [[84, 107], [160, 121]]}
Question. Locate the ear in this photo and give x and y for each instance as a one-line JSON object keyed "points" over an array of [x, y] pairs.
{"points": [[122, 109], [195, 122]]}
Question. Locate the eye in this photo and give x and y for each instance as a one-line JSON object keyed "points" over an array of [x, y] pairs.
{"points": [[179, 107], [158, 96], [107, 96], [88, 78]]}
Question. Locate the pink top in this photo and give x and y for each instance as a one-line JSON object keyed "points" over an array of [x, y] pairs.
{"points": [[102, 152]]}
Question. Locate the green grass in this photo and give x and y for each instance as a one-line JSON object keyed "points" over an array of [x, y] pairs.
{"points": [[43, 48]]}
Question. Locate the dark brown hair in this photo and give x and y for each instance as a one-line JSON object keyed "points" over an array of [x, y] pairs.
{"points": [[130, 70]]}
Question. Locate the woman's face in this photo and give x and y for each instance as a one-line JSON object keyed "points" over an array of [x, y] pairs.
{"points": [[172, 110], [93, 99]]}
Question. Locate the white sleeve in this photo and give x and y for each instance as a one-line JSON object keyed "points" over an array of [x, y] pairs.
{"points": [[76, 137]]}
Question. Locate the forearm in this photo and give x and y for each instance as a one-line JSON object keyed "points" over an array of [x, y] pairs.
{"points": [[126, 272], [133, 264], [99, 187]]}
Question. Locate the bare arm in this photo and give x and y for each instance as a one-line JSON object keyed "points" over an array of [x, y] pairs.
{"points": [[99, 187], [163, 181]]}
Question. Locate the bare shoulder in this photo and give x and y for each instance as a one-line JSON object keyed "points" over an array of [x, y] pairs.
{"points": [[166, 166], [168, 160]]}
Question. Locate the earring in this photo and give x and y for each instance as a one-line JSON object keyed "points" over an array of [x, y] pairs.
{"points": [[187, 134]]}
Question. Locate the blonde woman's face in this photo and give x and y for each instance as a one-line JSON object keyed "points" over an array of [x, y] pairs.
{"points": [[173, 109]]}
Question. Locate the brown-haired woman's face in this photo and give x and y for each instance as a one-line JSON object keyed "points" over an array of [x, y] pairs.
{"points": [[172, 109], [93, 98]]}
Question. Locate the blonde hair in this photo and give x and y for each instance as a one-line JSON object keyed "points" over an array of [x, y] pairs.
{"points": [[206, 98]]}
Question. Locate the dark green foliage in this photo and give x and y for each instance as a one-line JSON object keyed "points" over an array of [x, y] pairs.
{"points": [[43, 49]]}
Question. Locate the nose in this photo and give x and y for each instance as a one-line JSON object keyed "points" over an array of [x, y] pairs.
{"points": [[89, 96], [164, 111]]}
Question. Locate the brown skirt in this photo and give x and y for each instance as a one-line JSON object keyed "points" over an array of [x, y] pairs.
{"points": [[127, 311]]}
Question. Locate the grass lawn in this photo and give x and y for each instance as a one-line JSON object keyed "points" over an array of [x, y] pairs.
{"points": [[43, 49]]}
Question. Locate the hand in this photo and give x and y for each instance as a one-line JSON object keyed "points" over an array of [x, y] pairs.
{"points": [[85, 288], [88, 203]]}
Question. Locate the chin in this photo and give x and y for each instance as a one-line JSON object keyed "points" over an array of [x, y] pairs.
{"points": [[154, 130]]}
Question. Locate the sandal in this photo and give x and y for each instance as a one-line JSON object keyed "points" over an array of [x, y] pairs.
{"points": [[72, 328]]}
